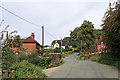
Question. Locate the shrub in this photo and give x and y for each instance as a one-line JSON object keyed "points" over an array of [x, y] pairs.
{"points": [[107, 58], [34, 59], [25, 69], [44, 61], [67, 49], [20, 57], [57, 50], [8, 58], [48, 51], [69, 52]]}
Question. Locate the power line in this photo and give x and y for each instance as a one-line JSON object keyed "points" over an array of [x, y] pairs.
{"points": [[20, 17], [25, 20]]}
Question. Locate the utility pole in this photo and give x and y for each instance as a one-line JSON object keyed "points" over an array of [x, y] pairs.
{"points": [[61, 45], [81, 45], [42, 37]]}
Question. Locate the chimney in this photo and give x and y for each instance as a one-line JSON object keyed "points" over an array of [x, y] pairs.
{"points": [[6, 35], [32, 35]]}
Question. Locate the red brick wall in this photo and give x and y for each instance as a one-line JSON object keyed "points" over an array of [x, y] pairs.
{"points": [[29, 46], [99, 46], [101, 37]]}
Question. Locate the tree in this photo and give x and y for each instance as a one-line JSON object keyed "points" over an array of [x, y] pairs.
{"points": [[98, 32], [73, 37], [66, 40], [111, 28], [86, 35]]}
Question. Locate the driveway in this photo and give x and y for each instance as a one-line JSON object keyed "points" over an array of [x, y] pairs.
{"points": [[73, 68]]}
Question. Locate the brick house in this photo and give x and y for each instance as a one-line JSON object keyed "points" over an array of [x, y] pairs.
{"points": [[99, 44], [29, 44]]}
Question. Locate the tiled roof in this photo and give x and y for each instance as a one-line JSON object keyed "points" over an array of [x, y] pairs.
{"points": [[29, 39]]}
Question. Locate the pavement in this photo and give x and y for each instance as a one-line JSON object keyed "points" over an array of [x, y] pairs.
{"points": [[73, 68]]}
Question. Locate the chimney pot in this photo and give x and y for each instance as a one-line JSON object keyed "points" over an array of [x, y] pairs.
{"points": [[32, 35]]}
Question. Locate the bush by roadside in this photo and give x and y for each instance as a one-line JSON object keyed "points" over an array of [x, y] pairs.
{"points": [[107, 58], [24, 69]]}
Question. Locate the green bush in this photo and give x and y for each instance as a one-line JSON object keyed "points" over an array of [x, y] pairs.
{"points": [[48, 51], [25, 69], [34, 59], [44, 62], [67, 49], [107, 58], [57, 50], [8, 58], [20, 57], [57, 62]]}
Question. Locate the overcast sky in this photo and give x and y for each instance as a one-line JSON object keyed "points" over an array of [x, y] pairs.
{"points": [[58, 17]]}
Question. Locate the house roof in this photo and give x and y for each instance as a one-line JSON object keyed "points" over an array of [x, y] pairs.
{"points": [[29, 40]]}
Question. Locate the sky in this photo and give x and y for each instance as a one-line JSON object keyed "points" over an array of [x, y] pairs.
{"points": [[59, 17]]}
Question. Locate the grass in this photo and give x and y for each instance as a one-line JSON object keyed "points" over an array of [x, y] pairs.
{"points": [[94, 58], [82, 58]]}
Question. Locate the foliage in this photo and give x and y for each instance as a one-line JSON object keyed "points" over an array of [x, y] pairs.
{"points": [[44, 62], [67, 49], [98, 32], [94, 58], [34, 59], [67, 53], [111, 28], [108, 59], [86, 35], [48, 51], [25, 69], [66, 40], [57, 50], [8, 57], [73, 37]]}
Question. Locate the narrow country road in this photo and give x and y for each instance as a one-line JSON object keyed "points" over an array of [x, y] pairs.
{"points": [[73, 68]]}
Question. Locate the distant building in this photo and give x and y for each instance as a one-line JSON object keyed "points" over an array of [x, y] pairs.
{"points": [[57, 44], [100, 44]]}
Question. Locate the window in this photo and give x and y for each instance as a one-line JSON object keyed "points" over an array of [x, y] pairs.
{"points": [[28, 52]]}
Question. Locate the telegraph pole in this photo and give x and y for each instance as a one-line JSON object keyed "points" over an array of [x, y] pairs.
{"points": [[81, 45], [42, 37], [61, 45]]}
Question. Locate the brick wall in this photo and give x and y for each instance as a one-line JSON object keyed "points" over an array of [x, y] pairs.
{"points": [[29, 46]]}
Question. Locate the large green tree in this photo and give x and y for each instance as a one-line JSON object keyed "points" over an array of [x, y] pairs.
{"points": [[73, 37], [66, 40], [86, 35]]}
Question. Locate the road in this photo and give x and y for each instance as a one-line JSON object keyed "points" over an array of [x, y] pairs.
{"points": [[73, 68]]}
